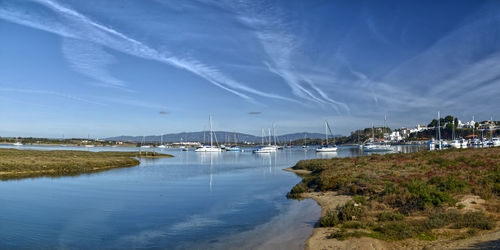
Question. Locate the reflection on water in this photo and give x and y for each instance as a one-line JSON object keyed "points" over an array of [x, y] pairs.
{"points": [[194, 200]]}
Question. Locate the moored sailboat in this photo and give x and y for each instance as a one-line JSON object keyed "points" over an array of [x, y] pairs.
{"points": [[211, 148], [326, 147]]}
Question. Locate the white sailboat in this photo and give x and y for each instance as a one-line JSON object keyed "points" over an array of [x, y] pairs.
{"points": [[211, 148], [266, 149], [326, 147], [373, 147], [17, 143], [161, 143], [144, 142]]}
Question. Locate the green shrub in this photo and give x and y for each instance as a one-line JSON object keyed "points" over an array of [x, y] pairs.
{"points": [[475, 220], [344, 234], [427, 236], [350, 211], [330, 219], [426, 194], [448, 184], [389, 216], [359, 199], [398, 230], [354, 225], [296, 191], [441, 219]]}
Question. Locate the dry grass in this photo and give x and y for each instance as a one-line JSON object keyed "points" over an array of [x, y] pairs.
{"points": [[16, 164]]}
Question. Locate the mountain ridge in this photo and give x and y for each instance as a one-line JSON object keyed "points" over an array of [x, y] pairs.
{"points": [[222, 137]]}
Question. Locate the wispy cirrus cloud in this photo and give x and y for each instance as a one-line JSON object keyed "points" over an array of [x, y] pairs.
{"points": [[51, 93], [79, 26], [280, 44], [90, 60]]}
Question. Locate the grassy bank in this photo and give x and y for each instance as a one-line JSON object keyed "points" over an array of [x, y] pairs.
{"points": [[16, 164], [424, 196]]}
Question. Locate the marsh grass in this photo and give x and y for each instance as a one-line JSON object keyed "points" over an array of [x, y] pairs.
{"points": [[415, 194], [17, 164]]}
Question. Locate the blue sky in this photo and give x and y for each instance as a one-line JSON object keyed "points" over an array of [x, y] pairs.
{"points": [[108, 68]]}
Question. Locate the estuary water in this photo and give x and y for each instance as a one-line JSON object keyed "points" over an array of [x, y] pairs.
{"points": [[228, 200]]}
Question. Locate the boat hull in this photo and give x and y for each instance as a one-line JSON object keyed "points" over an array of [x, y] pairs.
{"points": [[329, 149]]}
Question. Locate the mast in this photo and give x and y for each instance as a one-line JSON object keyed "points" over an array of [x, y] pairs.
{"points": [[204, 141], [373, 132], [491, 128], [211, 132], [453, 130], [262, 137], [274, 134], [385, 125], [270, 137], [473, 125], [439, 130], [326, 132]]}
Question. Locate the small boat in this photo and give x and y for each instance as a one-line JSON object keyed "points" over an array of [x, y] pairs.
{"points": [[185, 149], [206, 148], [455, 144], [233, 149], [17, 143], [89, 146], [495, 142], [161, 143], [371, 146], [211, 148], [265, 149], [326, 147]]}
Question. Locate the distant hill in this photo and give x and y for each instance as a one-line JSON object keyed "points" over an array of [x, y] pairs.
{"points": [[221, 137]]}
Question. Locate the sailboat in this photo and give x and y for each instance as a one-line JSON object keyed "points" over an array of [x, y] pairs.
{"points": [[211, 148], [17, 143], [144, 142], [161, 143], [234, 147], [373, 147], [266, 149], [305, 142], [326, 147]]}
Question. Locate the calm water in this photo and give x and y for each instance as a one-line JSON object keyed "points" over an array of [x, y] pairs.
{"points": [[192, 201]]}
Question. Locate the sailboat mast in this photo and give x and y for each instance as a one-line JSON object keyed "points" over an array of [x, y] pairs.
{"points": [[473, 127], [262, 136], [453, 132], [274, 134], [373, 132], [269, 137], [211, 132], [439, 129], [326, 133], [385, 125]]}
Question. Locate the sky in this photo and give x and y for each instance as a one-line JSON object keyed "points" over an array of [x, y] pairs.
{"points": [[112, 67]]}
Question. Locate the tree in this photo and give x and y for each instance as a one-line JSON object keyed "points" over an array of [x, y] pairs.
{"points": [[448, 119], [433, 123]]}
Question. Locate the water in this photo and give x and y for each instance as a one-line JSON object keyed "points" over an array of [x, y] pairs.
{"points": [[228, 200]]}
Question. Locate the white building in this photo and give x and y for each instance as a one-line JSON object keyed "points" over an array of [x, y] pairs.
{"points": [[395, 136], [418, 128]]}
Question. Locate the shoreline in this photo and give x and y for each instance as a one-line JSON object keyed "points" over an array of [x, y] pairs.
{"points": [[320, 236], [18, 164]]}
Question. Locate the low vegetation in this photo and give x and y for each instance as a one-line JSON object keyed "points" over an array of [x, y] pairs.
{"points": [[402, 196], [16, 164]]}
